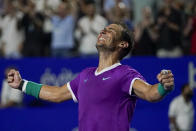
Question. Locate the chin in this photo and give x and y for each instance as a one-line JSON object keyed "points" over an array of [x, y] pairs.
{"points": [[100, 43], [100, 46], [103, 47]]}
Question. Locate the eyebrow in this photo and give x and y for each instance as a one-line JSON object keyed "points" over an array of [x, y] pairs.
{"points": [[110, 28]]}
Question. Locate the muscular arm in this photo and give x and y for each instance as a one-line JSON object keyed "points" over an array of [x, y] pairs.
{"points": [[49, 93], [55, 94], [146, 91], [150, 92]]}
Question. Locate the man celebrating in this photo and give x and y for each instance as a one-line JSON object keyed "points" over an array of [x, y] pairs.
{"points": [[107, 94]]}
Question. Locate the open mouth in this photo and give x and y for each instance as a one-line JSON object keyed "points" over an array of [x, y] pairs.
{"points": [[102, 37]]}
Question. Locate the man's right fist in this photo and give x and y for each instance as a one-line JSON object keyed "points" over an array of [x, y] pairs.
{"points": [[14, 79]]}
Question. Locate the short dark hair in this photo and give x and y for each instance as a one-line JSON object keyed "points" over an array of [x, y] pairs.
{"points": [[88, 2], [127, 36]]}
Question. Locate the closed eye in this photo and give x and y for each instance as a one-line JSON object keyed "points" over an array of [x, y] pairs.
{"points": [[111, 30]]}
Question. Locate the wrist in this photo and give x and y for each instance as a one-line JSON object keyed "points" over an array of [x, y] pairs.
{"points": [[21, 85], [30, 88], [162, 91]]}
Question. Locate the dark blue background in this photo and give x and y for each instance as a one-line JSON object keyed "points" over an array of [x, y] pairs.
{"points": [[64, 116]]}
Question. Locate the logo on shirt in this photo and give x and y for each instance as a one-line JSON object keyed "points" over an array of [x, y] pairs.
{"points": [[106, 78], [85, 80]]}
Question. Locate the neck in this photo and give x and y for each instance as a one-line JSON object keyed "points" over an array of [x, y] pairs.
{"points": [[62, 16], [91, 16], [106, 60]]}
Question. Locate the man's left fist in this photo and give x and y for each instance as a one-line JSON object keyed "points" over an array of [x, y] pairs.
{"points": [[166, 78]]}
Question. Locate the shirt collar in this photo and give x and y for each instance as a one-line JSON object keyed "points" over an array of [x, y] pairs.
{"points": [[107, 69]]}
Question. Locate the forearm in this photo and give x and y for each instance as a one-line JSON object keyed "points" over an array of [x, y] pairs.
{"points": [[9, 104], [166, 85], [45, 92], [173, 26], [49, 93], [54, 93], [153, 94], [173, 124]]}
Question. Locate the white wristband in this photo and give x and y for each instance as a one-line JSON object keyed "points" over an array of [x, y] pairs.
{"points": [[24, 86]]}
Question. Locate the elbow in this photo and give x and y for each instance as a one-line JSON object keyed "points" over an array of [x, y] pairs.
{"points": [[56, 98], [53, 94], [61, 96], [152, 99]]}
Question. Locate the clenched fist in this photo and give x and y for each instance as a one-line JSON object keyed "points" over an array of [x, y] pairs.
{"points": [[166, 78], [14, 78]]}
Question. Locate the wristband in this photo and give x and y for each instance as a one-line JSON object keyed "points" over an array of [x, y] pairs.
{"points": [[31, 88], [21, 85], [162, 91]]}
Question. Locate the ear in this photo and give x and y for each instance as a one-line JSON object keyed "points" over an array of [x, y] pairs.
{"points": [[123, 44]]}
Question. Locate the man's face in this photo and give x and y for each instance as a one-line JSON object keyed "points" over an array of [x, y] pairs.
{"points": [[188, 92], [62, 10], [90, 9], [109, 37]]}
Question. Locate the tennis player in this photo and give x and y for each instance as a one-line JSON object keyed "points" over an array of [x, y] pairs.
{"points": [[106, 95]]}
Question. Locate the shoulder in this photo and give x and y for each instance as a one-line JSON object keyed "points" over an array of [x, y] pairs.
{"points": [[100, 18], [4, 83], [97, 16], [5, 19], [19, 15], [128, 69], [69, 18], [130, 72], [54, 18], [83, 20], [177, 100], [88, 70]]}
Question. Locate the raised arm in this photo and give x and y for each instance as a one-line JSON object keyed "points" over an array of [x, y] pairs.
{"points": [[55, 94], [154, 93], [44, 92]]}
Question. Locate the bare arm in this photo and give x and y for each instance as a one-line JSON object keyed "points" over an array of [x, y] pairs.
{"points": [[146, 91], [188, 28], [54, 93], [8, 104], [150, 92], [49, 93], [172, 121]]}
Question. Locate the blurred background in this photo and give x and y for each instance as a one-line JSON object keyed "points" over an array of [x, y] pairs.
{"points": [[51, 41]]}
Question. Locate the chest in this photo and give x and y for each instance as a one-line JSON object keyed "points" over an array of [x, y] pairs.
{"points": [[184, 108], [97, 89]]}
